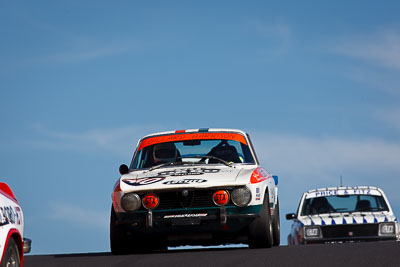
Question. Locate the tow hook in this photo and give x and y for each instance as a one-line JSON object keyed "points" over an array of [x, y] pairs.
{"points": [[149, 219], [222, 215]]}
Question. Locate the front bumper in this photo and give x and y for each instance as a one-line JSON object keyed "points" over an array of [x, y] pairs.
{"points": [[349, 233], [211, 219], [27, 245], [349, 239]]}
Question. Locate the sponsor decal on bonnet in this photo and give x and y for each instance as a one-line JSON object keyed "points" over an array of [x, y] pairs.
{"points": [[185, 181], [143, 181], [189, 171]]}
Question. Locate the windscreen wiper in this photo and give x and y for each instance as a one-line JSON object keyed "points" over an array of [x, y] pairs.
{"points": [[166, 164], [369, 210], [341, 210], [212, 157]]}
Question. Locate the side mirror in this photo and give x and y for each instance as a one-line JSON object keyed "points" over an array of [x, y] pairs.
{"points": [[290, 216], [123, 169], [275, 179]]}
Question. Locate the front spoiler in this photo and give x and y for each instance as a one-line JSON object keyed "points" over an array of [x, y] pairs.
{"points": [[188, 217], [350, 239]]}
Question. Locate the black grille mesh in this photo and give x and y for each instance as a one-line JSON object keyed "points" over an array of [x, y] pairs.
{"points": [[350, 230], [196, 198]]}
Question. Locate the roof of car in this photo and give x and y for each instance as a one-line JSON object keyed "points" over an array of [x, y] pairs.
{"points": [[200, 130], [342, 188]]}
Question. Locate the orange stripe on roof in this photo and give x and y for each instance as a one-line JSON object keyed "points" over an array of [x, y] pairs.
{"points": [[191, 136]]}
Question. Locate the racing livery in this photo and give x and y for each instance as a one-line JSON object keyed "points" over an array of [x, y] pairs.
{"points": [[343, 214], [12, 244], [194, 187]]}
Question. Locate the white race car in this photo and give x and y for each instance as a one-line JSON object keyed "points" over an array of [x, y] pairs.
{"points": [[12, 244], [194, 187], [343, 214]]}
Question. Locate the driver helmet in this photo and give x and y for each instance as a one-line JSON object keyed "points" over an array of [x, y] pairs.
{"points": [[164, 153]]}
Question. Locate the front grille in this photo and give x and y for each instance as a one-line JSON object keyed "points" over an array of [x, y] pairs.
{"points": [[196, 198], [349, 230]]}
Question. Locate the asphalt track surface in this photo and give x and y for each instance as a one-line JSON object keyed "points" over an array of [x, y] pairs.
{"points": [[352, 254]]}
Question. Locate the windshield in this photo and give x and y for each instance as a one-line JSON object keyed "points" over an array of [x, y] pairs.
{"points": [[343, 203], [197, 151]]}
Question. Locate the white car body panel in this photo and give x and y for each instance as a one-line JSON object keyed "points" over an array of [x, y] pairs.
{"points": [[137, 181]]}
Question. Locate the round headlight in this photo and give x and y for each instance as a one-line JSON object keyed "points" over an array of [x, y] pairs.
{"points": [[387, 228], [241, 197], [221, 197], [312, 231], [151, 201], [130, 202]]}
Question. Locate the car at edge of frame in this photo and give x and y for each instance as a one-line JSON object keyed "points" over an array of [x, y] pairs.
{"points": [[13, 245], [343, 214]]}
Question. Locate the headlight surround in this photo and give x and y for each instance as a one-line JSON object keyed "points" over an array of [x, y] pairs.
{"points": [[388, 228], [130, 202], [241, 196], [312, 232]]}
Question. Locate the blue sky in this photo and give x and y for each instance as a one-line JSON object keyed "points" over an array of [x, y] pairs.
{"points": [[316, 85]]}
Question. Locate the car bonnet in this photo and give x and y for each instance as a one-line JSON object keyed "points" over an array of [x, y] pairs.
{"points": [[348, 218], [184, 176]]}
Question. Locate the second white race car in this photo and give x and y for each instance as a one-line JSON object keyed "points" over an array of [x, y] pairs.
{"points": [[343, 214], [194, 187]]}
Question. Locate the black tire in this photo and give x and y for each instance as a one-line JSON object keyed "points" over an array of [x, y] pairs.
{"points": [[11, 255], [260, 230], [119, 239], [276, 226], [122, 242]]}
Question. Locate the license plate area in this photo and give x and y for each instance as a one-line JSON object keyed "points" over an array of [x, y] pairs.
{"points": [[186, 218], [185, 221]]}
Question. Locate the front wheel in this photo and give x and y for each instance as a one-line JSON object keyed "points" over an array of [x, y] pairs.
{"points": [[123, 242], [11, 256], [260, 230], [120, 242], [276, 225]]}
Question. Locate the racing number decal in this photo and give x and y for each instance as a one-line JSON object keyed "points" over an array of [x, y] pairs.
{"points": [[10, 215], [259, 175]]}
